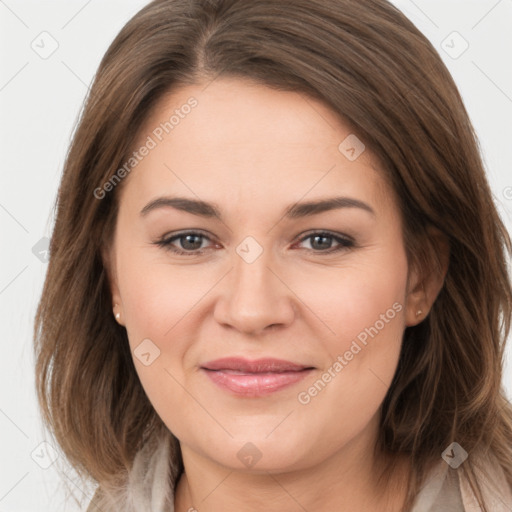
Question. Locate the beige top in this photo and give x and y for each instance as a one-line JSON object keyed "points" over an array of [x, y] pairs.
{"points": [[445, 490]]}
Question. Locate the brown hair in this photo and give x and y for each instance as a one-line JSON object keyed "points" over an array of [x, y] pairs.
{"points": [[370, 65]]}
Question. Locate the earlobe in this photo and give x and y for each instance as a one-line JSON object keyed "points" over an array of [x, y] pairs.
{"points": [[117, 314], [109, 266], [117, 305], [416, 306], [424, 284]]}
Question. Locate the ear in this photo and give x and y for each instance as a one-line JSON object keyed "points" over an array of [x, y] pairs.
{"points": [[426, 277], [109, 263]]}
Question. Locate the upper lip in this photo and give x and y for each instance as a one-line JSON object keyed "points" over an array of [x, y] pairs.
{"points": [[264, 365]]}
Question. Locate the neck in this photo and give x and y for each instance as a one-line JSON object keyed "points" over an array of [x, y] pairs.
{"points": [[347, 480]]}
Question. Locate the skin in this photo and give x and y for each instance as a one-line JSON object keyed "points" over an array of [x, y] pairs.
{"points": [[254, 151]]}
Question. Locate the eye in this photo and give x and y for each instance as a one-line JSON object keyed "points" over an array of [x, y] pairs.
{"points": [[322, 240], [190, 242]]}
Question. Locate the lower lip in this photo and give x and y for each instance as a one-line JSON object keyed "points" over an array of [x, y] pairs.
{"points": [[255, 384]]}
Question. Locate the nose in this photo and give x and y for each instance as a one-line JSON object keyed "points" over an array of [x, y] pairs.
{"points": [[254, 298]]}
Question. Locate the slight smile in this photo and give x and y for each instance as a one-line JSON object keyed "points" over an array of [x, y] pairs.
{"points": [[254, 378]]}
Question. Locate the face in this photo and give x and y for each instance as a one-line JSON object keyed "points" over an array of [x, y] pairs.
{"points": [[254, 276]]}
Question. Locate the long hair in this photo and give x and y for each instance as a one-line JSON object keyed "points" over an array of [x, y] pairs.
{"points": [[373, 68]]}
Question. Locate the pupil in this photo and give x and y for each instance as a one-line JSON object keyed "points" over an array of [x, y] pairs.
{"points": [[321, 237], [192, 244]]}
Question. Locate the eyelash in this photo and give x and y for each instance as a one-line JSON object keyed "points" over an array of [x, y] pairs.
{"points": [[165, 243]]}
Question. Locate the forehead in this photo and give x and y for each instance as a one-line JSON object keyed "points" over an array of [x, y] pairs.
{"points": [[243, 115], [247, 141]]}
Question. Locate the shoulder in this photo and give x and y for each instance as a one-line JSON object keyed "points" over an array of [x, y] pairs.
{"points": [[448, 489], [440, 491], [148, 485], [496, 491]]}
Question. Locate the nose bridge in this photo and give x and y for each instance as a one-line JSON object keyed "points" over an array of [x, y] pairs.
{"points": [[252, 274], [255, 297], [252, 277]]}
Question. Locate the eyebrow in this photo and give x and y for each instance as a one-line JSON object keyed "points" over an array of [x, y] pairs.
{"points": [[294, 211]]}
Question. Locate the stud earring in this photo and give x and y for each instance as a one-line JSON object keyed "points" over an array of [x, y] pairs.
{"points": [[419, 312], [117, 315]]}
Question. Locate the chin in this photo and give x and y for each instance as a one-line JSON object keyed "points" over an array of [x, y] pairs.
{"points": [[261, 453]]}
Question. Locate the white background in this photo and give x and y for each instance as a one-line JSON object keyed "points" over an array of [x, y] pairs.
{"points": [[39, 103]]}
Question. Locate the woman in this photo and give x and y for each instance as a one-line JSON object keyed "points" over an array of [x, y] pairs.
{"points": [[277, 278]]}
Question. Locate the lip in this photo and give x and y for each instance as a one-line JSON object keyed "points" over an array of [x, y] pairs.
{"points": [[255, 378]]}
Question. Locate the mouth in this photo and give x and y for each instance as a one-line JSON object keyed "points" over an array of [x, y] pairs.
{"points": [[254, 378]]}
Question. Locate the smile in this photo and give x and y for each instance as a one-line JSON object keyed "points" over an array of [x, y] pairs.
{"points": [[254, 378]]}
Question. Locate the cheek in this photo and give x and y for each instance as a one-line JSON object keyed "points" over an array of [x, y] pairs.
{"points": [[157, 301], [156, 296], [350, 301], [363, 318]]}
